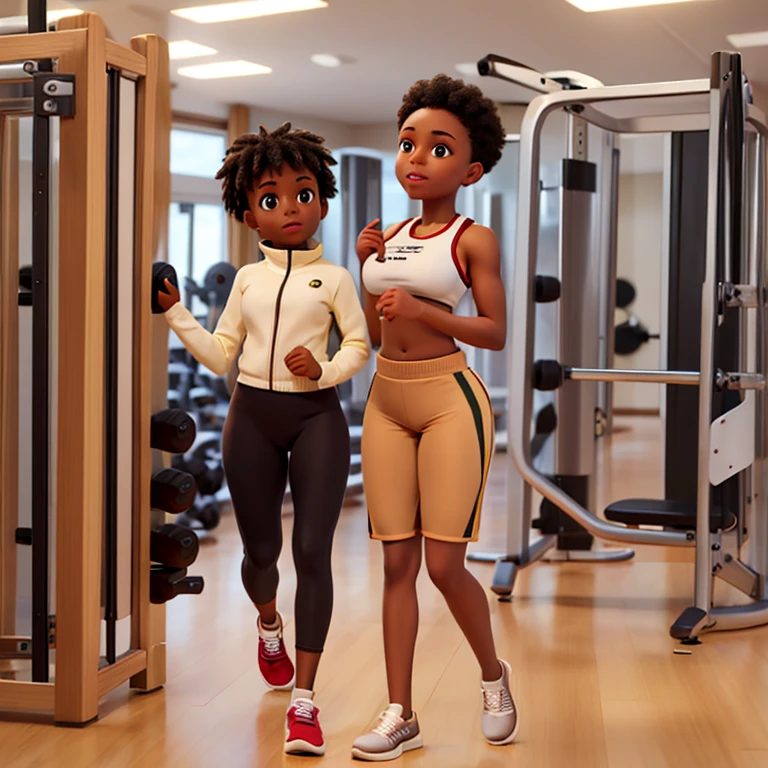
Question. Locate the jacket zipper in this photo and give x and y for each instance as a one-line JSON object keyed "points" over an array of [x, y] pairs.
{"points": [[277, 320]]}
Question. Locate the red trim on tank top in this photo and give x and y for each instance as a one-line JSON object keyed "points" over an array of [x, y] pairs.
{"points": [[416, 222], [399, 227], [454, 251]]}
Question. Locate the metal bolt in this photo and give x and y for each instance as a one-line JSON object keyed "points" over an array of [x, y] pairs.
{"points": [[715, 547], [49, 105]]}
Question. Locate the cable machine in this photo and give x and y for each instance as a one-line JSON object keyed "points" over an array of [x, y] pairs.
{"points": [[103, 558]]}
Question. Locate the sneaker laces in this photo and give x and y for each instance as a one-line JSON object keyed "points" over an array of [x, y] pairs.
{"points": [[388, 722], [496, 701], [273, 645], [304, 709]]}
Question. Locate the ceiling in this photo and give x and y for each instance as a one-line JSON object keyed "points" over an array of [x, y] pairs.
{"points": [[395, 42]]}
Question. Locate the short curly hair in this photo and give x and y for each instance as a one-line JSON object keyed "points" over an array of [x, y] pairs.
{"points": [[251, 155], [477, 113]]}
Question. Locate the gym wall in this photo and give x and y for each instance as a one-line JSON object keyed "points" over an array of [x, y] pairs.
{"points": [[640, 233]]}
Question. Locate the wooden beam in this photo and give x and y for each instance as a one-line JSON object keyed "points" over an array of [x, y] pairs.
{"points": [[122, 670], [241, 239], [153, 198], [26, 697], [14, 647], [80, 470], [200, 121], [9, 368], [51, 45], [120, 57]]}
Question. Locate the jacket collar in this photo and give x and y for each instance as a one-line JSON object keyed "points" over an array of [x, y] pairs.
{"points": [[278, 257]]}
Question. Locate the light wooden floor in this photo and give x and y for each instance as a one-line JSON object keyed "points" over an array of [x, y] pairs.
{"points": [[596, 681]]}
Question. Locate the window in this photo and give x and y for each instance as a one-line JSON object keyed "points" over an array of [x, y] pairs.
{"points": [[194, 153]]}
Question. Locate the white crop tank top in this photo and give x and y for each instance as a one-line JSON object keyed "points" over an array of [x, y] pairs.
{"points": [[426, 266]]}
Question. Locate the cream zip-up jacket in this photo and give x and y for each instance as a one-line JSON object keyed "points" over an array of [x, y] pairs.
{"points": [[288, 300]]}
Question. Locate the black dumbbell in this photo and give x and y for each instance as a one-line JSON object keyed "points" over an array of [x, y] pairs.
{"points": [[625, 293], [202, 396], [630, 336], [210, 481], [161, 271], [166, 582], [172, 431], [174, 545], [172, 491], [546, 289], [547, 375], [209, 516]]}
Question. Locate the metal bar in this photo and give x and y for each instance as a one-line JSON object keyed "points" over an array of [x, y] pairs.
{"points": [[111, 357], [22, 71], [37, 12], [40, 383], [740, 617], [582, 99], [608, 320], [516, 73], [521, 319], [673, 122], [740, 381], [759, 507], [703, 574], [690, 378], [741, 576], [757, 119], [17, 104]]}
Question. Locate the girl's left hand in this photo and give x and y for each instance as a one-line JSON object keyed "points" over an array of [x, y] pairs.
{"points": [[396, 302], [300, 362]]}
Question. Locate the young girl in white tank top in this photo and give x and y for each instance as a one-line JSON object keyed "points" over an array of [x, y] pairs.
{"points": [[428, 429]]}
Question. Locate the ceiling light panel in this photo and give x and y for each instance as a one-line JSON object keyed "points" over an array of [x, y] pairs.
{"points": [[222, 69], [326, 60], [467, 68], [250, 9], [186, 49], [590, 6], [748, 40]]}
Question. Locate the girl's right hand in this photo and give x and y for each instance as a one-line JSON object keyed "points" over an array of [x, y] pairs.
{"points": [[167, 300], [370, 241]]}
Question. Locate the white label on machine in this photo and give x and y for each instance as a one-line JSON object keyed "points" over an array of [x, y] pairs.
{"points": [[732, 441]]}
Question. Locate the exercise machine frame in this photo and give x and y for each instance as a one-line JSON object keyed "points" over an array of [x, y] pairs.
{"points": [[726, 152], [81, 50]]}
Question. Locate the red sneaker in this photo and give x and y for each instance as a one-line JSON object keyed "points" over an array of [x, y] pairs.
{"points": [[303, 733], [274, 664]]}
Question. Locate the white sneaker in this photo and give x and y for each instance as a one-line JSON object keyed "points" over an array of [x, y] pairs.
{"points": [[500, 721], [390, 737]]}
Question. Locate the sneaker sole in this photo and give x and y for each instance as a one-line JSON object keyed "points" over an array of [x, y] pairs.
{"points": [[301, 747], [404, 746]]}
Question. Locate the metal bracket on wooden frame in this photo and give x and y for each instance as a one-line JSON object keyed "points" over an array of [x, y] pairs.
{"points": [[54, 95]]}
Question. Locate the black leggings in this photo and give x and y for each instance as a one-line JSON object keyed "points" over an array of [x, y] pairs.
{"points": [[262, 427]]}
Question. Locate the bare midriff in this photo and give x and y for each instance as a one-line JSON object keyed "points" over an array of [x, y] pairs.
{"points": [[403, 339]]}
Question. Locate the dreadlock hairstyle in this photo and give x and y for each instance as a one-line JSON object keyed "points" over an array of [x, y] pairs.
{"points": [[477, 113], [253, 154]]}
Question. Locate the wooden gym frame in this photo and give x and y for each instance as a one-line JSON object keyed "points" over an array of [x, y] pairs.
{"points": [[80, 48]]}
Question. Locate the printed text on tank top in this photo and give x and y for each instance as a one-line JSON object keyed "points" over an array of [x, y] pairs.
{"points": [[427, 266]]}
